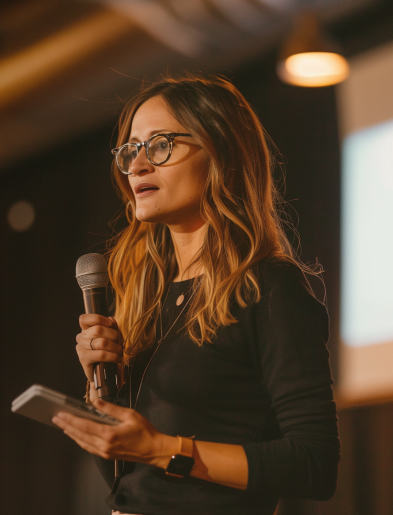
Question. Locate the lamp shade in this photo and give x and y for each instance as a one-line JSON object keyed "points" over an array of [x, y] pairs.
{"points": [[309, 59]]}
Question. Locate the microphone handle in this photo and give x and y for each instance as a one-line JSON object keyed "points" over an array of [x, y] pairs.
{"points": [[105, 374]]}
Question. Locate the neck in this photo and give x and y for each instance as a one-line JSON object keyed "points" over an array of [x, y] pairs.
{"points": [[187, 243]]}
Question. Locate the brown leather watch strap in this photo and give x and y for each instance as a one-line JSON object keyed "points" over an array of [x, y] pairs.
{"points": [[181, 463], [186, 446]]}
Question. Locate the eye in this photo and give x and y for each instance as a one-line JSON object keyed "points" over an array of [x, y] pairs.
{"points": [[159, 145]]}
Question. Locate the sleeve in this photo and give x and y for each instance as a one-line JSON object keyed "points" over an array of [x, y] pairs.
{"points": [[290, 333]]}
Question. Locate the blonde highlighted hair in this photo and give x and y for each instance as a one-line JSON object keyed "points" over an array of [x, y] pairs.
{"points": [[239, 204]]}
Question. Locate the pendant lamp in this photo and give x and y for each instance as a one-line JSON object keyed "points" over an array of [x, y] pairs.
{"points": [[309, 59]]}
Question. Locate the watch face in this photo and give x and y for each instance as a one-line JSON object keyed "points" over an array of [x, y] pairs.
{"points": [[180, 465]]}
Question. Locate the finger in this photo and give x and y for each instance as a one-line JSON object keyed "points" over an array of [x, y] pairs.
{"points": [[89, 319], [88, 442], [106, 332], [85, 347], [99, 331], [108, 340], [91, 436], [122, 414], [65, 420], [97, 343], [88, 356]]}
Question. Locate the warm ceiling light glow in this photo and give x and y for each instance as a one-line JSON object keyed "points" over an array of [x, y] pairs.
{"points": [[313, 69], [38, 63]]}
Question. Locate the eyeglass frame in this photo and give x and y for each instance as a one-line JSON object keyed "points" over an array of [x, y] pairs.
{"points": [[169, 137]]}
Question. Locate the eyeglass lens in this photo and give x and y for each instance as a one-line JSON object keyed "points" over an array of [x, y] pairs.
{"points": [[158, 151]]}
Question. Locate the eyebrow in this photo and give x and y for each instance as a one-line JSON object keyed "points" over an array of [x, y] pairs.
{"points": [[151, 133]]}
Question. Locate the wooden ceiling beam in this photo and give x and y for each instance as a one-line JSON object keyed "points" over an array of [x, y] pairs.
{"points": [[30, 68]]}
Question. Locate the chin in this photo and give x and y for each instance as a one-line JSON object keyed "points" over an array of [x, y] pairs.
{"points": [[143, 215]]}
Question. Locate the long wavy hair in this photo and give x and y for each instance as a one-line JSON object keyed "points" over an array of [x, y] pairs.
{"points": [[240, 205]]}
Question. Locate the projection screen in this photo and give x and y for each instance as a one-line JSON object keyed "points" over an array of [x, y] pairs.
{"points": [[365, 105]]}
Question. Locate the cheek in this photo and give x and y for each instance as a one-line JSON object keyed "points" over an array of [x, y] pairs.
{"points": [[189, 187], [196, 176]]}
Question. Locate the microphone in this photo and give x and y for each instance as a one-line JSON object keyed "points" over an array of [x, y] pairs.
{"points": [[92, 276]]}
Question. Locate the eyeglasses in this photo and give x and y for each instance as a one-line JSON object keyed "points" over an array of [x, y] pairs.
{"points": [[159, 149]]}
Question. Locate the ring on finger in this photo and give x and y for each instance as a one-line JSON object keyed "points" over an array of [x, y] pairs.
{"points": [[91, 343]]}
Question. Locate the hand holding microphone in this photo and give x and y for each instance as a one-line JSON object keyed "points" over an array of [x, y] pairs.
{"points": [[100, 342]]}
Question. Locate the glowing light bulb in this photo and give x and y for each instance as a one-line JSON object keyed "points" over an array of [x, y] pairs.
{"points": [[313, 69]]}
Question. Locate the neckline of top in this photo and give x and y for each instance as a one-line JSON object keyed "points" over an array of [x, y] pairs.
{"points": [[184, 284]]}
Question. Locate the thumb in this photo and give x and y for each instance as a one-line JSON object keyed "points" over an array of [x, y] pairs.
{"points": [[111, 409]]}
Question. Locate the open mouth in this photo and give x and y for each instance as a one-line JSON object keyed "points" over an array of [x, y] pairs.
{"points": [[144, 188], [151, 188]]}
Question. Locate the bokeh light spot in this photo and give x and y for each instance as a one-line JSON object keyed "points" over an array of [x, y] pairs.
{"points": [[21, 216]]}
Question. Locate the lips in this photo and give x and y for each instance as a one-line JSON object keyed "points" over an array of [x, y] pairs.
{"points": [[145, 187]]}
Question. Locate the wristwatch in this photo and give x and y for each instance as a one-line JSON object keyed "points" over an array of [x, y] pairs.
{"points": [[181, 463]]}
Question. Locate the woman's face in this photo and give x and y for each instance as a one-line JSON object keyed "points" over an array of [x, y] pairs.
{"points": [[179, 182]]}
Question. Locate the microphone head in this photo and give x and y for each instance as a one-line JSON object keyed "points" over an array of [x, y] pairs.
{"points": [[92, 271]]}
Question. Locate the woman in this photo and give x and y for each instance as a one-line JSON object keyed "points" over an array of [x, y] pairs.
{"points": [[225, 341]]}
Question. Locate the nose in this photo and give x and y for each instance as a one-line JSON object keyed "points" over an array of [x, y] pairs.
{"points": [[141, 163]]}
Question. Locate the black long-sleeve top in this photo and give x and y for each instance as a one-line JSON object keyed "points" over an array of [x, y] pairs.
{"points": [[264, 383]]}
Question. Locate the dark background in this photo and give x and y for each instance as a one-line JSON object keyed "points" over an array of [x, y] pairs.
{"points": [[69, 186]]}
